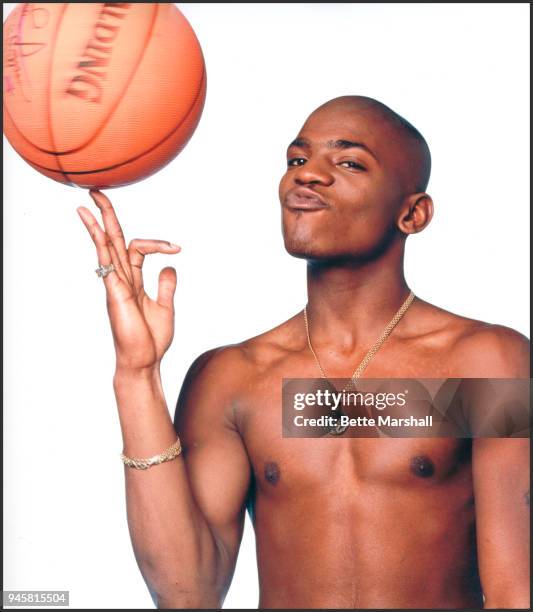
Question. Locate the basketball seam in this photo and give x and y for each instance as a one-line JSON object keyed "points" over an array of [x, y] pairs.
{"points": [[110, 113], [6, 110], [137, 157], [49, 90], [105, 121]]}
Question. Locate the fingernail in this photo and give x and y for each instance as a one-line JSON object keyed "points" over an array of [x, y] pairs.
{"points": [[174, 246]]}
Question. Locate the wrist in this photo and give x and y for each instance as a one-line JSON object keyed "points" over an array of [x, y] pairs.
{"points": [[127, 374], [125, 380]]}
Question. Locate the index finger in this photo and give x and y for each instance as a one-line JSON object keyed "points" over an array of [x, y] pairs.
{"points": [[113, 229], [101, 242]]}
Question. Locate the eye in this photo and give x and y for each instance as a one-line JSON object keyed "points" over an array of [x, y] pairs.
{"points": [[295, 161], [352, 165]]}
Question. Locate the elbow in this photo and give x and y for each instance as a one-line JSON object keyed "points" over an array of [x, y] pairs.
{"points": [[179, 598], [179, 586], [171, 594]]}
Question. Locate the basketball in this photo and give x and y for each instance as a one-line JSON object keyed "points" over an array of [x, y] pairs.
{"points": [[100, 95]]}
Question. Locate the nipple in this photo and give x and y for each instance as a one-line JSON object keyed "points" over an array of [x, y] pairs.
{"points": [[422, 466], [272, 473]]}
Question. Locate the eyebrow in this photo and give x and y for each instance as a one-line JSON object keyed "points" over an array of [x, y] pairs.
{"points": [[304, 143]]}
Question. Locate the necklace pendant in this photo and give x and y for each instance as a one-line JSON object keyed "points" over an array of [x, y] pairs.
{"points": [[338, 429]]}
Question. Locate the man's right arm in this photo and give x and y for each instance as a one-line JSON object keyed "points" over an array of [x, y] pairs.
{"points": [[185, 516]]}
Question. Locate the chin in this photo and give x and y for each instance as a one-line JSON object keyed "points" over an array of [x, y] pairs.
{"points": [[302, 249], [300, 241], [308, 250], [299, 253]]}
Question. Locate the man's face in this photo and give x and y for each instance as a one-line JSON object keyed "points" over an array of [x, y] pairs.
{"points": [[343, 187]]}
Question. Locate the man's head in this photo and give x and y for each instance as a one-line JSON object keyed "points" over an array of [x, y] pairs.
{"points": [[355, 182]]}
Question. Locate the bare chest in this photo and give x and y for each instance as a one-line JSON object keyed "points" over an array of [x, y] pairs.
{"points": [[285, 465]]}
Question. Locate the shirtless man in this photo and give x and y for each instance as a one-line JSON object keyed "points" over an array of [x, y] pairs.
{"points": [[340, 522]]}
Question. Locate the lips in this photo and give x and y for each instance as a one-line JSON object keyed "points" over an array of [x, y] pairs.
{"points": [[304, 199]]}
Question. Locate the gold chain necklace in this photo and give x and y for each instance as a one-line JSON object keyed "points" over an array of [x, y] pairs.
{"points": [[338, 429]]}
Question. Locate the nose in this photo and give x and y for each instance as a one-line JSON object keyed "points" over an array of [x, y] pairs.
{"points": [[312, 172]]}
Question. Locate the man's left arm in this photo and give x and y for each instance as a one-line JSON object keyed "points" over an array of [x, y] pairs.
{"points": [[500, 468], [501, 488]]}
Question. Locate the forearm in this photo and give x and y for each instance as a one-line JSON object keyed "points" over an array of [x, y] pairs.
{"points": [[173, 545], [511, 602], [509, 593], [500, 468]]}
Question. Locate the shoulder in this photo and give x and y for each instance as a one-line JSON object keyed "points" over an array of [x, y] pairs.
{"points": [[227, 368], [493, 351], [472, 348], [217, 384]]}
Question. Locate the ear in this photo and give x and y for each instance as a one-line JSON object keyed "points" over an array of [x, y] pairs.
{"points": [[416, 213]]}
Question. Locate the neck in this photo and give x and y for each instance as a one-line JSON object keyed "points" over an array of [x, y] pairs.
{"points": [[351, 303]]}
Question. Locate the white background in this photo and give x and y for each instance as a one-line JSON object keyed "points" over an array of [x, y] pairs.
{"points": [[459, 72]]}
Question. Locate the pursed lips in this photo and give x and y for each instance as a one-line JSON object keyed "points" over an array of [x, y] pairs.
{"points": [[304, 199]]}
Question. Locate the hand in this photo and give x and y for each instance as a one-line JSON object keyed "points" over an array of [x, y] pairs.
{"points": [[142, 328]]}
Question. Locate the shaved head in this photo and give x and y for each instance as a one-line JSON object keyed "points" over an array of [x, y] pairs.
{"points": [[412, 147], [355, 184]]}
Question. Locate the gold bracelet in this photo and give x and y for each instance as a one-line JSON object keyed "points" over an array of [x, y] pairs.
{"points": [[142, 464]]}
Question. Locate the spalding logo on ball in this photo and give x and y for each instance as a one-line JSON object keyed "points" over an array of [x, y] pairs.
{"points": [[100, 95]]}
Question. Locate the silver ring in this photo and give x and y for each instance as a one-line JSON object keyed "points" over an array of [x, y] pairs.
{"points": [[103, 271]]}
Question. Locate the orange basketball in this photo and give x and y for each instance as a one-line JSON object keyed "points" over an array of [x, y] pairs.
{"points": [[100, 94]]}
